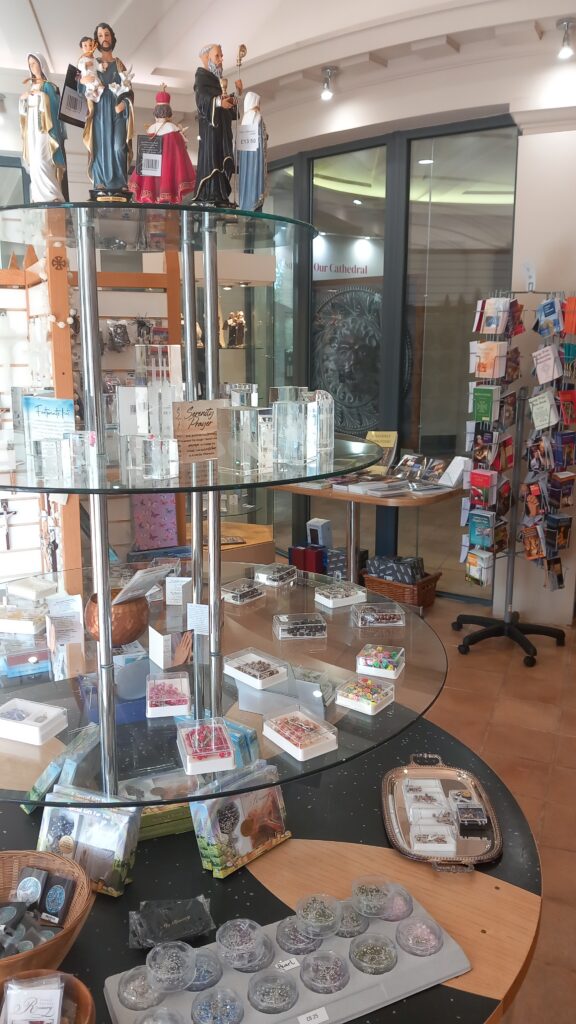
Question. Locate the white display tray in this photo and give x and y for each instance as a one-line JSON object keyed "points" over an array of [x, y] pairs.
{"points": [[364, 993]]}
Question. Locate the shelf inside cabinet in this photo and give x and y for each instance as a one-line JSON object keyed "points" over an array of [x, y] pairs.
{"points": [[147, 747]]}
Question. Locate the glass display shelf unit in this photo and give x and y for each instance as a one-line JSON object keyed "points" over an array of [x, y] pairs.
{"points": [[349, 456], [147, 228], [146, 747]]}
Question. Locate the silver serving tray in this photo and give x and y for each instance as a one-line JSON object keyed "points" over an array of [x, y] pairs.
{"points": [[471, 849]]}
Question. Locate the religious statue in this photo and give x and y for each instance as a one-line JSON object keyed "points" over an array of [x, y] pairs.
{"points": [[43, 135], [252, 165], [216, 112], [177, 176], [110, 123], [88, 66]]}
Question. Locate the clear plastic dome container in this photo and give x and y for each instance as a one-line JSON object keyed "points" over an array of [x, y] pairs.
{"points": [[207, 973], [352, 922], [272, 992], [219, 1006], [374, 953], [292, 940], [318, 915], [135, 990], [171, 966], [324, 972], [419, 936]]}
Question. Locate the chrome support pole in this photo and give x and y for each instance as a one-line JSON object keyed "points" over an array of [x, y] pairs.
{"points": [[94, 420], [209, 248], [192, 391], [353, 539], [91, 362], [106, 691]]}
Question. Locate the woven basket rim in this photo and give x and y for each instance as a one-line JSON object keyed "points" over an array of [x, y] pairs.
{"points": [[83, 896]]}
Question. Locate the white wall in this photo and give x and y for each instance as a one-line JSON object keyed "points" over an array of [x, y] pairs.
{"points": [[545, 235]]}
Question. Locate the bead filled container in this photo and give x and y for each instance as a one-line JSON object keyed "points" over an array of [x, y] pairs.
{"points": [[256, 668], [219, 1006], [208, 971], [292, 940], [318, 915], [242, 591], [381, 660], [205, 746], [324, 972], [167, 696], [376, 616], [240, 942], [276, 574], [136, 991], [370, 895], [171, 966], [352, 923], [366, 695], [299, 734], [272, 992], [374, 953], [419, 936], [339, 595], [300, 626]]}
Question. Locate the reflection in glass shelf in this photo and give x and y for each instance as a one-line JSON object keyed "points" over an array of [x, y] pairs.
{"points": [[60, 670]]}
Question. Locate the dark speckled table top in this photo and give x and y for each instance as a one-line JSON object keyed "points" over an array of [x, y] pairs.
{"points": [[343, 804]]}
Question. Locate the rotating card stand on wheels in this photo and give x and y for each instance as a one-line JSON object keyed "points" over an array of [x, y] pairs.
{"points": [[510, 625]]}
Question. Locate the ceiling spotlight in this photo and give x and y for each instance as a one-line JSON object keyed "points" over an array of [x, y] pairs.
{"points": [[327, 90], [428, 160], [357, 202], [566, 26]]}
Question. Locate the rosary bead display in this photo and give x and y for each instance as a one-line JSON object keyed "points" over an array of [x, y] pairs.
{"points": [[300, 626], [272, 992], [420, 936], [242, 591], [171, 966], [373, 954], [220, 1006], [352, 923], [386, 613], [318, 915], [324, 972], [301, 735], [135, 991], [207, 973], [292, 940]]}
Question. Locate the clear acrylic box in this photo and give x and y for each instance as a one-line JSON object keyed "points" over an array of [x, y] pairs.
{"points": [[256, 668], [374, 616], [300, 626], [366, 695], [167, 696], [381, 660], [276, 574], [301, 735], [205, 746], [242, 591], [338, 595]]}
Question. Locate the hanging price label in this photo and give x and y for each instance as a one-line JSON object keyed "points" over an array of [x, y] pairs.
{"points": [[247, 139]]}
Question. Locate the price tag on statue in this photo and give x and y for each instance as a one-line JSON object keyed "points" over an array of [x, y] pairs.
{"points": [[149, 156], [247, 138], [73, 105]]}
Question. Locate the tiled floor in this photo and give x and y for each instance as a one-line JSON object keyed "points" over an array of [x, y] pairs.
{"points": [[522, 721]]}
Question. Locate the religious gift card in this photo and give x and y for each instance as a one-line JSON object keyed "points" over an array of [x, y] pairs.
{"points": [[196, 430]]}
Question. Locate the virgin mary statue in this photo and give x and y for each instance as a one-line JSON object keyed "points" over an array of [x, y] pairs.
{"points": [[43, 135]]}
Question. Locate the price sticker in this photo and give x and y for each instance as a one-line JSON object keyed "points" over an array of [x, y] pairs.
{"points": [[314, 1017], [287, 965]]}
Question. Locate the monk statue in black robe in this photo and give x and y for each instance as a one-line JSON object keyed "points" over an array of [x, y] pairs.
{"points": [[216, 112]]}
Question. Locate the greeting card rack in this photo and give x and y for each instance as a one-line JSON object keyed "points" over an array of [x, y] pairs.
{"points": [[501, 321], [250, 243]]}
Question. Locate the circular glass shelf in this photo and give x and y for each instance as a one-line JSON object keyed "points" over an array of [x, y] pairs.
{"points": [[147, 752], [349, 455], [146, 228]]}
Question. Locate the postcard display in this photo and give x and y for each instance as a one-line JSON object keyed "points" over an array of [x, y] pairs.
{"points": [[520, 479]]}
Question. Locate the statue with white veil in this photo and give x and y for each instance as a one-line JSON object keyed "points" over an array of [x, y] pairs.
{"points": [[43, 135]]}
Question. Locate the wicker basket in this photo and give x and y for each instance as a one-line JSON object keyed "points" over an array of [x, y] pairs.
{"points": [[50, 954], [421, 594], [74, 989]]}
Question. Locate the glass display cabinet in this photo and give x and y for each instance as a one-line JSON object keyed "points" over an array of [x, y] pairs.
{"points": [[66, 441]]}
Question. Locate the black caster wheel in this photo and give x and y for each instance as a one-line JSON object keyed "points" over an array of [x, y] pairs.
{"points": [[463, 648], [457, 626], [529, 661], [561, 641]]}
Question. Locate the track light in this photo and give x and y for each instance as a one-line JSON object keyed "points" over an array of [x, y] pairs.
{"points": [[566, 25], [327, 90]]}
